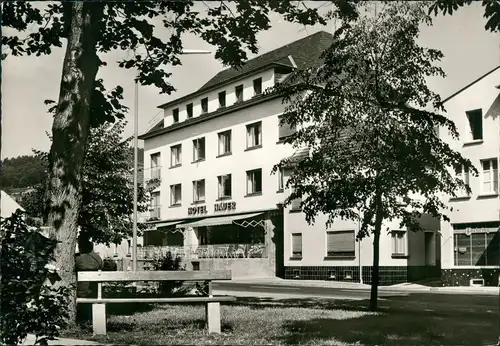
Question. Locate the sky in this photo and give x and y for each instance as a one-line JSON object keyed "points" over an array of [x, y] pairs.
{"points": [[469, 52]]}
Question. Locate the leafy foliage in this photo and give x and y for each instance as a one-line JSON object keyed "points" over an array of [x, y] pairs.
{"points": [[22, 171], [491, 10], [29, 303], [107, 190], [169, 262], [369, 118], [231, 26]]}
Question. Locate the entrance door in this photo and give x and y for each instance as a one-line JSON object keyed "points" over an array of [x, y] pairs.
{"points": [[430, 249]]}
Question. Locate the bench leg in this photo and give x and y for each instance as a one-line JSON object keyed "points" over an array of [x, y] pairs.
{"points": [[99, 319], [213, 317]]}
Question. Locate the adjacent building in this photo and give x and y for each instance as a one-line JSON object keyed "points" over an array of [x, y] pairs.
{"points": [[471, 240], [216, 202]]}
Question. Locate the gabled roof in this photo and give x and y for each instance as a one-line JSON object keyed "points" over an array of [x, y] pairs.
{"points": [[8, 205], [304, 53], [301, 54], [470, 84]]}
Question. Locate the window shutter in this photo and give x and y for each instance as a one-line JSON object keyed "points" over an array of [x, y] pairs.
{"points": [[340, 241], [297, 243]]}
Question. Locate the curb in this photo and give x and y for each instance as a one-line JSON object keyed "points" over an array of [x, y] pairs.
{"points": [[350, 286]]}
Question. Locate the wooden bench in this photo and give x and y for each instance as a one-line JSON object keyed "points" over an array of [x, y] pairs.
{"points": [[212, 307]]}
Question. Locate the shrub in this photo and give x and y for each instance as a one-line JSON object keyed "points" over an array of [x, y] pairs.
{"points": [[30, 304], [109, 265], [170, 288]]}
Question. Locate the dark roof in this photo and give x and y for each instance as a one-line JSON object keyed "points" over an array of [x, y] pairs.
{"points": [[305, 53], [298, 155], [470, 84]]}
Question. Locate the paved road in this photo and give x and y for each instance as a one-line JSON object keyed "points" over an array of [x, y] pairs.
{"points": [[425, 301]]}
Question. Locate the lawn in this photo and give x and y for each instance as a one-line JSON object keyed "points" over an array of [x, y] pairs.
{"points": [[254, 321]]}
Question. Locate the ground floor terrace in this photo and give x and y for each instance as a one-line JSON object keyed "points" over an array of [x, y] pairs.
{"points": [[245, 243]]}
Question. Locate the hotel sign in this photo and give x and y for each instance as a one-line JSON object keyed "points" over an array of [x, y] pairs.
{"points": [[224, 206], [202, 209]]}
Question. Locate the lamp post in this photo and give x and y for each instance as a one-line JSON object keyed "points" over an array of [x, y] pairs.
{"points": [[136, 144]]}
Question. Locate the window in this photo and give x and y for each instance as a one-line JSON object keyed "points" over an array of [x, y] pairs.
{"points": [[476, 249], [297, 245], [285, 130], [463, 175], [254, 135], [175, 194], [222, 99], [189, 110], [489, 177], [224, 186], [257, 86], [129, 247], [475, 118], [175, 115], [176, 155], [155, 166], [199, 149], [281, 180], [204, 105], [238, 90], [399, 242], [155, 205], [254, 181], [225, 142], [295, 205], [340, 244], [199, 191]]}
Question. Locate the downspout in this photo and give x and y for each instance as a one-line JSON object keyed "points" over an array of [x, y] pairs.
{"points": [[359, 256]]}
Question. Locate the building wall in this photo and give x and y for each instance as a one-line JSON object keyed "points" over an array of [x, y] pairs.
{"points": [[477, 208], [236, 164], [213, 98]]}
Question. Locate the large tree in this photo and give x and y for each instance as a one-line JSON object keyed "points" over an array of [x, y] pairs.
{"points": [[105, 215], [92, 29], [491, 10], [369, 119]]}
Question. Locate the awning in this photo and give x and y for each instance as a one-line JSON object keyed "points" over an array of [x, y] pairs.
{"points": [[217, 221], [170, 225]]}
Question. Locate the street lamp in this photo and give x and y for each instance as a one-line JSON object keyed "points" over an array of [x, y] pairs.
{"points": [[136, 144]]}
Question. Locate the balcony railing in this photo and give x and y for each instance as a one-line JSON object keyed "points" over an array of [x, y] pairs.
{"points": [[154, 212], [153, 173], [205, 251]]}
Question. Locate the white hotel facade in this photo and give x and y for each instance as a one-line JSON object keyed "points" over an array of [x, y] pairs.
{"points": [[216, 202]]}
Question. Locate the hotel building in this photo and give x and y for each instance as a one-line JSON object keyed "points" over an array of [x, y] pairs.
{"points": [[471, 240], [216, 203]]}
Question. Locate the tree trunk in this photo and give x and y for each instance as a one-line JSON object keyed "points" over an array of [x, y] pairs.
{"points": [[376, 252], [69, 136]]}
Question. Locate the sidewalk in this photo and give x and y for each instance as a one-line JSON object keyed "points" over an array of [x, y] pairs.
{"points": [[30, 340], [405, 287]]}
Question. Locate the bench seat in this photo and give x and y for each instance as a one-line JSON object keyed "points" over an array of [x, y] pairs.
{"points": [[212, 303]]}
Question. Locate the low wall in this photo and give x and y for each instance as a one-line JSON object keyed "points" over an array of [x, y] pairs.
{"points": [[462, 277], [240, 267]]}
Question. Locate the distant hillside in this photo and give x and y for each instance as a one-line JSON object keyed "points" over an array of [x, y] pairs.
{"points": [[22, 172]]}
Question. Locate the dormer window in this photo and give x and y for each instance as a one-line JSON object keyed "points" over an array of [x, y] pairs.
{"points": [[257, 86], [189, 110], [222, 99], [238, 90], [204, 105], [175, 115]]}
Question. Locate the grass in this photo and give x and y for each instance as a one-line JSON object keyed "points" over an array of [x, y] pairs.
{"points": [[254, 321]]}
